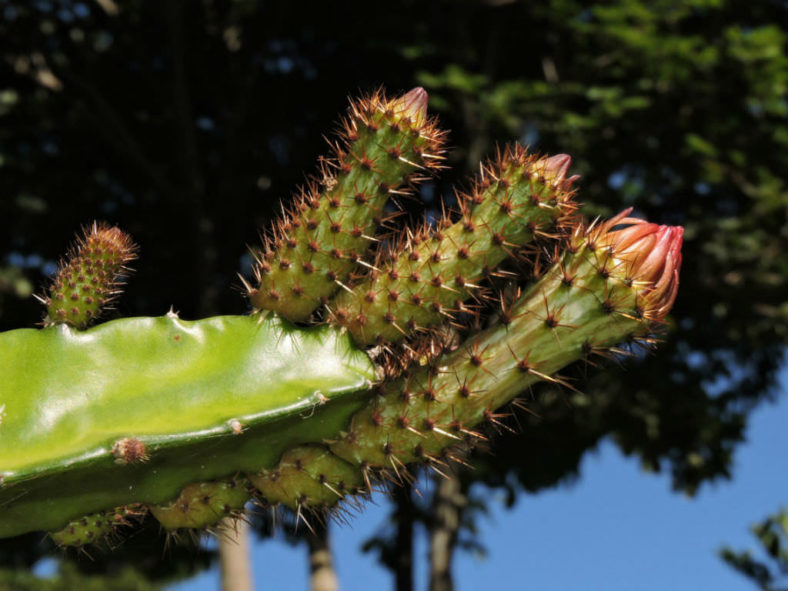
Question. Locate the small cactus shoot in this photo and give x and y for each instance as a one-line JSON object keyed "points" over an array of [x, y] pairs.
{"points": [[89, 279], [191, 420]]}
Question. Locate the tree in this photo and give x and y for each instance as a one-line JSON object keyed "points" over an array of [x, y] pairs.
{"points": [[772, 533]]}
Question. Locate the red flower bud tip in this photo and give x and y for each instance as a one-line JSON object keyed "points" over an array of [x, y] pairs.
{"points": [[555, 169], [652, 257], [413, 104]]}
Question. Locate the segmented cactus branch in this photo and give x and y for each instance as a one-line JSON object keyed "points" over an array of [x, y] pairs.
{"points": [[203, 504], [97, 527], [615, 284], [310, 252]]}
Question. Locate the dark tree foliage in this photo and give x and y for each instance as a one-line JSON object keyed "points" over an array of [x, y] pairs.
{"points": [[772, 534], [187, 122]]}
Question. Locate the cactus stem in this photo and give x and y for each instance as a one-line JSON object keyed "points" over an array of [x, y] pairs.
{"points": [[326, 233]]}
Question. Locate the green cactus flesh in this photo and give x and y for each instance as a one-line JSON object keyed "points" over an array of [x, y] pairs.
{"points": [[312, 250], [134, 409], [432, 273], [95, 527], [202, 504]]}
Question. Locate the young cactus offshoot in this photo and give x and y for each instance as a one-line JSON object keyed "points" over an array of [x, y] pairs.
{"points": [[90, 277], [189, 420]]}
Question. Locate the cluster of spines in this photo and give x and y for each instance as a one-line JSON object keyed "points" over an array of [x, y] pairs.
{"points": [[312, 249], [430, 275], [90, 277]]}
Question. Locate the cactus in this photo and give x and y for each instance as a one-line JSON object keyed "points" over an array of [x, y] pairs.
{"points": [[190, 420], [92, 528]]}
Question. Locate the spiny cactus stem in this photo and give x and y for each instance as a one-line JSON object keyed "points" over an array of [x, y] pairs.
{"points": [[583, 304], [312, 250], [429, 274]]}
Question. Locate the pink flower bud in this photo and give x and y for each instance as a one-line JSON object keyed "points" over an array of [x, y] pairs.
{"points": [[413, 104], [652, 257], [555, 169]]}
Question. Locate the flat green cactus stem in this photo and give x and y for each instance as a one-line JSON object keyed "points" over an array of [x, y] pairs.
{"points": [[206, 399], [190, 420]]}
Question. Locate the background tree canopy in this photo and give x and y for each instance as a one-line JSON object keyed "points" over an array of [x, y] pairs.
{"points": [[186, 123]]}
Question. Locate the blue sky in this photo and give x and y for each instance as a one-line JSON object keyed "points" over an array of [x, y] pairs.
{"points": [[616, 528]]}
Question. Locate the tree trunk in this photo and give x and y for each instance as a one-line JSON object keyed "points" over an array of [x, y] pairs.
{"points": [[321, 565], [234, 556], [405, 518], [447, 506]]}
